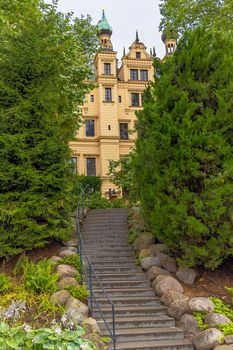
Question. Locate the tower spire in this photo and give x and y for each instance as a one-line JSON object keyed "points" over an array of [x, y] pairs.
{"points": [[137, 37]]}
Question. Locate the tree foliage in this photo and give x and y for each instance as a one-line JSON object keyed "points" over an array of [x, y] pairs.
{"points": [[183, 163], [122, 175], [183, 15], [45, 57]]}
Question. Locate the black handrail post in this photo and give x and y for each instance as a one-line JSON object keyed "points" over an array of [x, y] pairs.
{"points": [[113, 327], [91, 289]]}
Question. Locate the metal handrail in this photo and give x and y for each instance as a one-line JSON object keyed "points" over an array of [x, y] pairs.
{"points": [[92, 274]]}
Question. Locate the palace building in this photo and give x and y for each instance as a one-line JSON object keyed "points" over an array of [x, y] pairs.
{"points": [[109, 111]]}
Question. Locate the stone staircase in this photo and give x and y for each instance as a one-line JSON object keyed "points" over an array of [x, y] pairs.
{"points": [[141, 319]]}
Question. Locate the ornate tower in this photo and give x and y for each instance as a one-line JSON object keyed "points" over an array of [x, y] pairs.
{"points": [[170, 40], [105, 32]]}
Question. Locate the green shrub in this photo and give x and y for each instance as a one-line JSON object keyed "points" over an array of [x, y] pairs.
{"points": [[222, 308], [5, 283], [118, 203], [96, 201], [79, 292], [38, 278], [43, 338]]}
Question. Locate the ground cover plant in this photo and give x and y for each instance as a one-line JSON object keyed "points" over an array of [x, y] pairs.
{"points": [[25, 338], [221, 308]]}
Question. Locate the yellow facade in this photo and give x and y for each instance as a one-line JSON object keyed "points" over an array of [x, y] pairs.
{"points": [[109, 110]]}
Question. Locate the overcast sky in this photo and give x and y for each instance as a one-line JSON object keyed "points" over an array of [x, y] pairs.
{"points": [[125, 16]]}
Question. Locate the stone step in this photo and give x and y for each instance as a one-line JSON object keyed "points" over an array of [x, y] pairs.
{"points": [[109, 254], [114, 264], [112, 260], [110, 246], [106, 241], [154, 333], [138, 276], [125, 311], [121, 284], [118, 269], [175, 344], [139, 321], [130, 301], [139, 292], [102, 249]]}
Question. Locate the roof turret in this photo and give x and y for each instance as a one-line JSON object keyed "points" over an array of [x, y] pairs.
{"points": [[103, 26]]}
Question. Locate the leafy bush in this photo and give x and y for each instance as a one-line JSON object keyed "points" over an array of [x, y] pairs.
{"points": [[133, 235], [44, 338], [96, 201], [79, 292], [5, 283], [222, 308], [38, 278], [93, 182]]}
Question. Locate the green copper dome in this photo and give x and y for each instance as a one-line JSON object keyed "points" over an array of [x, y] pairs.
{"points": [[103, 26]]}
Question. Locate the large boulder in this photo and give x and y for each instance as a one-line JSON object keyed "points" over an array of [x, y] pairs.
{"points": [[71, 243], [170, 296], [97, 340], [157, 280], [229, 339], [201, 304], [189, 324], [214, 319], [186, 275], [167, 262], [60, 298], [155, 271], [67, 252], [159, 248], [144, 253], [75, 312], [178, 308], [208, 339], [66, 271], [90, 326], [67, 281], [143, 241], [166, 284], [55, 259], [147, 263]]}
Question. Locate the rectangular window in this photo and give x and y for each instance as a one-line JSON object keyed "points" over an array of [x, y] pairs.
{"points": [[124, 134], [108, 94], [107, 68], [91, 166], [90, 127], [119, 99], [138, 54], [134, 99], [92, 99], [74, 163], [143, 74], [133, 74]]}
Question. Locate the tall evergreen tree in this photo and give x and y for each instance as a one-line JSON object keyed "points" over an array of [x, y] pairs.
{"points": [[44, 59], [183, 160]]}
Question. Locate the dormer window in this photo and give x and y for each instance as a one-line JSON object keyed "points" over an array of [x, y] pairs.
{"points": [[138, 54], [107, 68]]}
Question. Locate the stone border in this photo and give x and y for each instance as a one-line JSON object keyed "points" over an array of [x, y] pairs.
{"points": [[165, 277]]}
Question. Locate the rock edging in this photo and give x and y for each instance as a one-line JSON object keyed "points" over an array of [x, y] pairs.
{"points": [[165, 277]]}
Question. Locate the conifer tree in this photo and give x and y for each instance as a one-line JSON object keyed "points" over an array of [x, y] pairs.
{"points": [[183, 161], [44, 59]]}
